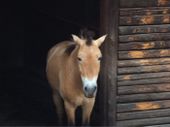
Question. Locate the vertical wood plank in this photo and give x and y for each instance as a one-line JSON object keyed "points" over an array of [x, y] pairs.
{"points": [[108, 77]]}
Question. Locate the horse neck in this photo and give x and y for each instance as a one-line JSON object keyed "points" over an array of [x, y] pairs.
{"points": [[73, 55], [72, 60], [74, 70]]}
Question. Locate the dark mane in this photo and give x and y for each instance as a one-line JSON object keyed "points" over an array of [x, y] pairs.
{"points": [[70, 49], [87, 35]]}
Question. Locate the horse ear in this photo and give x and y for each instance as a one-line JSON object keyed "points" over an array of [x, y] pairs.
{"points": [[100, 40], [77, 39]]}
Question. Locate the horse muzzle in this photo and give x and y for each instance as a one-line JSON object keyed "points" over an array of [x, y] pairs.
{"points": [[90, 92]]}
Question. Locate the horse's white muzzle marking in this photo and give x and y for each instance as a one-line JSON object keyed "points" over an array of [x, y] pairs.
{"points": [[89, 86]]}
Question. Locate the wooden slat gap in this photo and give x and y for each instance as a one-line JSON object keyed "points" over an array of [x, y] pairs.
{"points": [[144, 81], [144, 34], [140, 89], [142, 58], [138, 97], [145, 66], [134, 8], [137, 16], [140, 93], [144, 114], [144, 122], [145, 49], [144, 69], [143, 106], [142, 76], [141, 33]]}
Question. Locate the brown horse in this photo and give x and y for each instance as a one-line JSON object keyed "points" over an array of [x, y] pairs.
{"points": [[72, 71]]}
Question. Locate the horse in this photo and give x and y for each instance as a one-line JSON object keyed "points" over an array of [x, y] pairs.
{"points": [[72, 71]]}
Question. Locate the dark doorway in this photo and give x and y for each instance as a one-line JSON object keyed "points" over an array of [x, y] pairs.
{"points": [[28, 30]]}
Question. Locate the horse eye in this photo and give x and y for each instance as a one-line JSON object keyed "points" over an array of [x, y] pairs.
{"points": [[79, 59], [100, 58]]}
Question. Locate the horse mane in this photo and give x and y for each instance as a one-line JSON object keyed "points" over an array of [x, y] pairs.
{"points": [[88, 35], [70, 49]]}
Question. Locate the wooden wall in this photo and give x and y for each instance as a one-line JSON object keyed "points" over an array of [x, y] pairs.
{"points": [[143, 81], [108, 76]]}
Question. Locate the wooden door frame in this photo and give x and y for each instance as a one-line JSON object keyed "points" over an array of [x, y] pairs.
{"points": [[109, 15]]}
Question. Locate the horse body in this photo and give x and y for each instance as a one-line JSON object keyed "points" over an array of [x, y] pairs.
{"points": [[60, 70], [67, 74]]}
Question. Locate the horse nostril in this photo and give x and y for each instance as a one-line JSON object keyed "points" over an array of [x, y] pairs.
{"points": [[85, 88], [90, 89], [95, 88]]}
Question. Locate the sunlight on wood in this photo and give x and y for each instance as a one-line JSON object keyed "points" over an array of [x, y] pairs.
{"points": [[162, 2], [136, 30], [164, 88], [147, 105], [164, 30], [162, 43], [147, 19], [136, 54], [127, 77], [164, 52], [131, 38], [142, 62], [166, 19], [165, 11], [148, 12], [149, 29], [129, 20], [148, 45]]}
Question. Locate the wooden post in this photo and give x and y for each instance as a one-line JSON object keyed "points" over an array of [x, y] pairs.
{"points": [[108, 76]]}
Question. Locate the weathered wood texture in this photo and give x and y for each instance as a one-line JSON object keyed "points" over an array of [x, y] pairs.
{"points": [[145, 20], [155, 53], [144, 122], [130, 77], [143, 106], [144, 45], [163, 125], [143, 82], [144, 11], [143, 62], [144, 3], [145, 37], [127, 30], [144, 69], [150, 88], [143, 114], [143, 97]]}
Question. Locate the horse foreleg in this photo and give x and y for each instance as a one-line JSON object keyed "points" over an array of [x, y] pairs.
{"points": [[70, 111], [87, 110], [59, 107]]}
